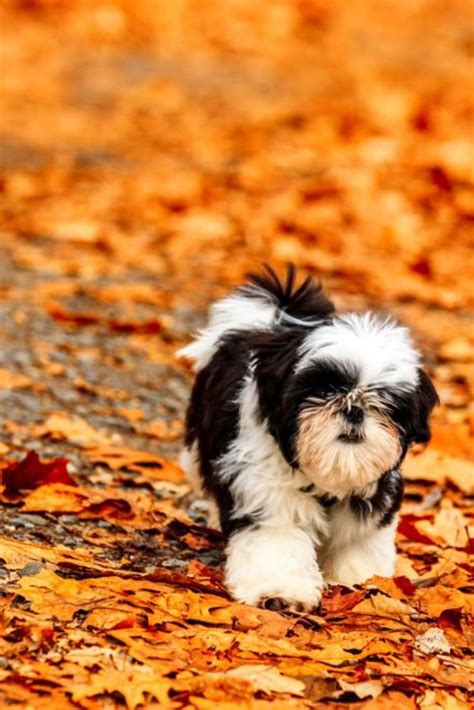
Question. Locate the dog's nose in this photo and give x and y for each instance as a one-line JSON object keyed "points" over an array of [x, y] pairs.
{"points": [[354, 414]]}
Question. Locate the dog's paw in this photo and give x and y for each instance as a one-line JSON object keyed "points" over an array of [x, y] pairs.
{"points": [[274, 568], [279, 604], [300, 594]]}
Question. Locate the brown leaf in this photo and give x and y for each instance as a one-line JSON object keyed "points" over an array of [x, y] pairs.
{"points": [[135, 684], [60, 425], [150, 465], [342, 601]]}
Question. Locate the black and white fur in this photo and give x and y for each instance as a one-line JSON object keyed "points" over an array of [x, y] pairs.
{"points": [[298, 422]]}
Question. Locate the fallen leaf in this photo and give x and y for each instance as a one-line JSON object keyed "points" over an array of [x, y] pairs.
{"points": [[267, 679], [457, 349], [433, 465], [64, 426], [133, 414], [433, 641], [449, 527], [31, 473], [135, 684], [451, 619], [120, 458]]}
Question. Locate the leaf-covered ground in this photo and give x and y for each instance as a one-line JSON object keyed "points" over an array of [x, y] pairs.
{"points": [[152, 152]]}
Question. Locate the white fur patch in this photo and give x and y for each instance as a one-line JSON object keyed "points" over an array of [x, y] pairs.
{"points": [[269, 562], [262, 483], [356, 550], [382, 350], [236, 312]]}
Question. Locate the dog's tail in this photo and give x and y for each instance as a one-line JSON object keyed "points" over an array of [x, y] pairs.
{"points": [[304, 303], [263, 303]]}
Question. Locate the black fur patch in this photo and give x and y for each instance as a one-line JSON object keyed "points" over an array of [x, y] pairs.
{"points": [[426, 399], [308, 300], [213, 419], [411, 411], [385, 502], [326, 500], [276, 358]]}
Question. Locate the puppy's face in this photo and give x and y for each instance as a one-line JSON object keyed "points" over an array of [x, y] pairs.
{"points": [[359, 400], [346, 435]]}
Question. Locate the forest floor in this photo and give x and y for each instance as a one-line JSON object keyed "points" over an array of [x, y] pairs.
{"points": [[150, 154]]}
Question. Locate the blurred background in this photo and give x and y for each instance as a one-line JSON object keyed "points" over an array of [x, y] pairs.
{"points": [[153, 151]]}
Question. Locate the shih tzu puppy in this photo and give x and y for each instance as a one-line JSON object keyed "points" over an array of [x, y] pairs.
{"points": [[298, 422]]}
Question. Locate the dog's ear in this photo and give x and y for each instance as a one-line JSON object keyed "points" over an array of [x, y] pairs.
{"points": [[425, 400], [278, 355]]}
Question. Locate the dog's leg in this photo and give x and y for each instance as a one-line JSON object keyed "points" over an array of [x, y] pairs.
{"points": [[361, 537], [274, 566], [203, 503], [367, 555]]}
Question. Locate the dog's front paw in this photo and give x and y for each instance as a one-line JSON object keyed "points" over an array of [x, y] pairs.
{"points": [[279, 604], [302, 593], [274, 570]]}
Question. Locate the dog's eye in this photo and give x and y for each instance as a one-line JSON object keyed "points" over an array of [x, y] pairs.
{"points": [[322, 396], [329, 389], [324, 393]]}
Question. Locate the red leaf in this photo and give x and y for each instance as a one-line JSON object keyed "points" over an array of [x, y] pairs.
{"points": [[451, 619], [57, 312], [404, 584], [407, 528], [470, 546], [33, 473], [112, 506], [440, 179]]}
